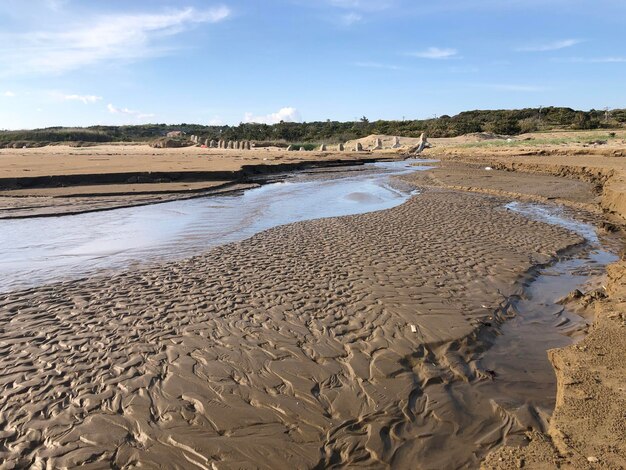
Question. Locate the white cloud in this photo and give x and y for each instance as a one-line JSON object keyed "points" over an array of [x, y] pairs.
{"points": [[435, 53], [8, 94], [128, 112], [362, 5], [55, 5], [115, 110], [101, 39], [284, 114], [351, 18], [594, 60], [86, 99], [377, 65], [551, 46]]}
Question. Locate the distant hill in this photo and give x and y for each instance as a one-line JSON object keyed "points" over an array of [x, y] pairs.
{"points": [[507, 122]]}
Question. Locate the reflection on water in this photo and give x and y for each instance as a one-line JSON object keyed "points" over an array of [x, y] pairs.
{"points": [[39, 250]]}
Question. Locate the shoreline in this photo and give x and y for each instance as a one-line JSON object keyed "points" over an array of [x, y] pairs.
{"points": [[32, 203]]}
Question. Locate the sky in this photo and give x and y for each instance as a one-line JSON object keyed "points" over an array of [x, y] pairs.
{"points": [[86, 62]]}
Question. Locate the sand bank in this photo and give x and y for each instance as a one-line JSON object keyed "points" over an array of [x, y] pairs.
{"points": [[61, 180]]}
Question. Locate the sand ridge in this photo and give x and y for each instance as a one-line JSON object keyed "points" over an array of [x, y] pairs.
{"points": [[291, 349]]}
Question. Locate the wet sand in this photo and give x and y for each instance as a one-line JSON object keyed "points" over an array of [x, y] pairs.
{"points": [[587, 427], [336, 342]]}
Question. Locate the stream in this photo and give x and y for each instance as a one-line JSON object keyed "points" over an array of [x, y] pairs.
{"points": [[36, 251]]}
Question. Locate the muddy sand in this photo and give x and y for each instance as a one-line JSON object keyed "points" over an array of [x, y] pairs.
{"points": [[329, 343]]}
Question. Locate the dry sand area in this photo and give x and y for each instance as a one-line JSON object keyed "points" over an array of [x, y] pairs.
{"points": [[344, 342]]}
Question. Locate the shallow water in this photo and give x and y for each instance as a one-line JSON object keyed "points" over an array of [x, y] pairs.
{"points": [[523, 373], [41, 250]]}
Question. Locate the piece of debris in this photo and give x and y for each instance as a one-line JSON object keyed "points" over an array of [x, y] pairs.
{"points": [[609, 227], [488, 168], [413, 329], [574, 295]]}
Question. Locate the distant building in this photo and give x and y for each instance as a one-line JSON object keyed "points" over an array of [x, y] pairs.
{"points": [[175, 134]]}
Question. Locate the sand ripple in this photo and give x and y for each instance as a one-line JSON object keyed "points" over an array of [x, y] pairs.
{"points": [[289, 350]]}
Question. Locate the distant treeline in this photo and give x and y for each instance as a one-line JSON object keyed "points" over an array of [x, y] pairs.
{"points": [[504, 122]]}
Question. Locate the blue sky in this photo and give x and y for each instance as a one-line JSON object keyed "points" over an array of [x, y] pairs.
{"points": [[84, 62]]}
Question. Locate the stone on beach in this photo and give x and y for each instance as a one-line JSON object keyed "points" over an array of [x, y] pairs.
{"points": [[358, 147], [340, 148], [378, 144], [323, 148]]}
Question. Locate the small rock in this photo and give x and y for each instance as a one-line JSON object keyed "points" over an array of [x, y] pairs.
{"points": [[609, 227], [592, 459]]}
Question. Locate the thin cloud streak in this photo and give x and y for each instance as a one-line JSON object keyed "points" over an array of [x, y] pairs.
{"points": [[435, 53], [592, 60], [551, 46], [377, 65], [109, 38], [362, 5], [85, 99]]}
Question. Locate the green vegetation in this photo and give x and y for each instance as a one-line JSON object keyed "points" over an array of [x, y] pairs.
{"points": [[563, 140], [306, 146], [504, 122]]}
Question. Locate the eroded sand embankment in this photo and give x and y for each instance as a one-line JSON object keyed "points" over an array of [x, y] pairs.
{"points": [[588, 426], [61, 180], [292, 349]]}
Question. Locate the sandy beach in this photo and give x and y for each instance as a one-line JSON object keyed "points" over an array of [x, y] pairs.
{"points": [[336, 342]]}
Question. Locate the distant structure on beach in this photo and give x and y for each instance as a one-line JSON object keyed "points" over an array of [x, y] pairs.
{"points": [[370, 144]]}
